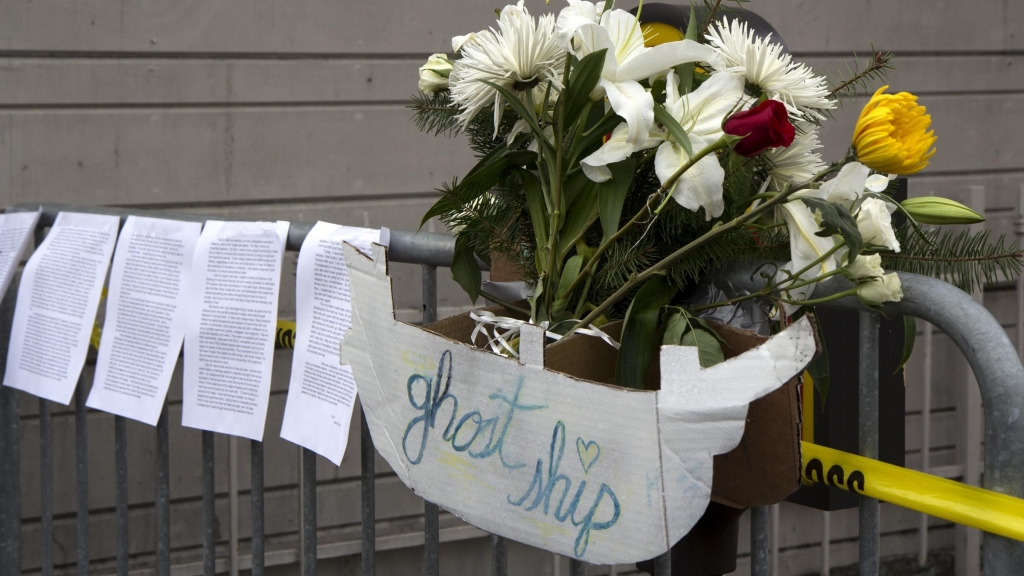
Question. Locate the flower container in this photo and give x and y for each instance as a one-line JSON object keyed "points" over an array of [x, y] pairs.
{"points": [[547, 453]]}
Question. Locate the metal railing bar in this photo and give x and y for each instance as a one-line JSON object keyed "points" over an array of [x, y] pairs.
{"points": [[663, 564], [368, 496], [10, 455], [499, 555], [578, 568], [759, 541], [256, 474], [926, 433], [867, 418], [82, 478], [163, 496], [209, 510], [233, 505], [430, 510], [121, 492], [308, 512], [46, 487], [427, 248]]}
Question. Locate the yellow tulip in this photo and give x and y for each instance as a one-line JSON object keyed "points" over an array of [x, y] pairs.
{"points": [[892, 134]]}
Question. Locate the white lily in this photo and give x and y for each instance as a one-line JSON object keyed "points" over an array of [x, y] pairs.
{"points": [[805, 247], [849, 185], [583, 28], [700, 113]]}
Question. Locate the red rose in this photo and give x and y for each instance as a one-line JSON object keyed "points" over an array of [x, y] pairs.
{"points": [[763, 126]]}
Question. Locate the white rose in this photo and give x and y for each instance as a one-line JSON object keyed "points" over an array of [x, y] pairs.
{"points": [[875, 224], [884, 289], [434, 74], [866, 267]]}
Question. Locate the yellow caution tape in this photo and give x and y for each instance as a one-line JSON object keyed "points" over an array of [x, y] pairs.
{"points": [[954, 501], [285, 334]]}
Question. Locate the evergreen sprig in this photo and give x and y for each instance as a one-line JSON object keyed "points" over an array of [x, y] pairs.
{"points": [[859, 78], [435, 114], [966, 259]]}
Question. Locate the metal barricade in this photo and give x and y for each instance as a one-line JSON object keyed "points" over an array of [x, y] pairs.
{"points": [[983, 341]]}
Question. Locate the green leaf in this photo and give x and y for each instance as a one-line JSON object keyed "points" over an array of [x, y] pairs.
{"points": [[639, 332], [582, 80], [685, 71], [535, 205], [709, 350], [569, 274], [909, 336], [673, 127], [836, 219], [582, 214], [611, 195], [465, 270], [521, 110], [575, 184], [818, 368]]}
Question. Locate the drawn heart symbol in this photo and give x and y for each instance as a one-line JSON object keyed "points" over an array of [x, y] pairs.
{"points": [[589, 453]]}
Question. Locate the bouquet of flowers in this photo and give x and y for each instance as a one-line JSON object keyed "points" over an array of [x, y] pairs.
{"points": [[621, 160]]}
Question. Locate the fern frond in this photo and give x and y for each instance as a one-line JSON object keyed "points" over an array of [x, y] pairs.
{"points": [[435, 113], [965, 259], [874, 70]]}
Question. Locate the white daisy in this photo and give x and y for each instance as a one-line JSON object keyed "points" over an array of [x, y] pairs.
{"points": [[797, 162], [521, 53], [762, 63]]}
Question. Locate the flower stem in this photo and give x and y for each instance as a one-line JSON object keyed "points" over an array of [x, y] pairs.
{"points": [[837, 296]]}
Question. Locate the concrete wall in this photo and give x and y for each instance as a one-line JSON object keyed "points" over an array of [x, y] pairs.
{"points": [[294, 109]]}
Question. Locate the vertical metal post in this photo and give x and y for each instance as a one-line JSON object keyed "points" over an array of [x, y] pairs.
{"points": [[578, 568], [10, 456], [826, 542], [970, 416], [662, 565], [775, 535], [209, 509], [1019, 229], [368, 494], [926, 433], [46, 486], [430, 520], [868, 438], [233, 505], [759, 541], [308, 512], [256, 493], [82, 477], [121, 492], [163, 496], [499, 556]]}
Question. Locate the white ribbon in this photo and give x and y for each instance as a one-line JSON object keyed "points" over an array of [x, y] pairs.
{"points": [[505, 329]]}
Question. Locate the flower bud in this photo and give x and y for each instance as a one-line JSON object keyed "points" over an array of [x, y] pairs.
{"points": [[939, 211], [884, 289], [875, 225], [866, 266], [434, 74], [763, 126]]}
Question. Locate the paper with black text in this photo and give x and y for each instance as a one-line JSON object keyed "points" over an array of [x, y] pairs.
{"points": [[15, 230], [321, 393], [57, 300], [230, 326], [145, 319]]}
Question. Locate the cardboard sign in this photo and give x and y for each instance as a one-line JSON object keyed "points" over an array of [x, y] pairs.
{"points": [[596, 472]]}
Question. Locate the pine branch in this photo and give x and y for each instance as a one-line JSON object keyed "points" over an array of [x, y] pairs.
{"points": [[710, 11], [875, 69], [435, 113], [966, 259]]}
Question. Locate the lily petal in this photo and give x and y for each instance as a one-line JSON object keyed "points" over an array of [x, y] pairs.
{"points": [[700, 186], [649, 62], [616, 149], [580, 16], [848, 185], [804, 245], [877, 182], [635, 104]]}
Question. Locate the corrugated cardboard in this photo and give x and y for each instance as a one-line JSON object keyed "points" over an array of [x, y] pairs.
{"points": [[765, 467], [591, 471]]}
